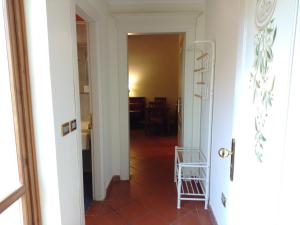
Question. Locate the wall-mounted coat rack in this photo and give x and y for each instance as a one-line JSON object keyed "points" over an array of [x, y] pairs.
{"points": [[192, 165], [204, 54]]}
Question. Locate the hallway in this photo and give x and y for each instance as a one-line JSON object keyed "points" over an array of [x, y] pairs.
{"points": [[150, 196]]}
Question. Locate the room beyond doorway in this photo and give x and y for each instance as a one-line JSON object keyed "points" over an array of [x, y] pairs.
{"points": [[155, 78]]}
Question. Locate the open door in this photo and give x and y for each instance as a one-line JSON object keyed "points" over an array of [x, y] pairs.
{"points": [[179, 121], [180, 91], [261, 97], [86, 107]]}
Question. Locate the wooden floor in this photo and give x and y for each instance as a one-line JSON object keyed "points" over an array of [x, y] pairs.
{"points": [[149, 198]]}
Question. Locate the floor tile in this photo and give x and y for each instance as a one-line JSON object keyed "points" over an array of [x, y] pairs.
{"points": [[133, 211], [150, 197], [111, 218], [149, 219], [170, 213], [97, 208], [89, 219], [117, 202], [190, 218]]}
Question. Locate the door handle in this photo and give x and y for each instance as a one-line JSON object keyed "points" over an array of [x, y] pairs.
{"points": [[224, 153]]}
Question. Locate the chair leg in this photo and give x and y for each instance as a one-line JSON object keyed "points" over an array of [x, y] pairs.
{"points": [[146, 128]]}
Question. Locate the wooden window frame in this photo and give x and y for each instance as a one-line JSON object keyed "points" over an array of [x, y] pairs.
{"points": [[14, 20]]}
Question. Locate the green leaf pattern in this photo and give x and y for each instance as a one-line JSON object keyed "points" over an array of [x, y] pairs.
{"points": [[262, 83]]}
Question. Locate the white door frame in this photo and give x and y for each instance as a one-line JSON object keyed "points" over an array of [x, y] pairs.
{"points": [[152, 24], [88, 13]]}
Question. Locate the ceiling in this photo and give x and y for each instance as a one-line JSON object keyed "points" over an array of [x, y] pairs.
{"points": [[154, 1], [144, 6]]}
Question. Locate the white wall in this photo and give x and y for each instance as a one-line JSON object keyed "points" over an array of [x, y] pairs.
{"points": [[113, 92], [153, 67], [53, 68], [41, 91], [290, 196], [62, 81], [222, 26]]}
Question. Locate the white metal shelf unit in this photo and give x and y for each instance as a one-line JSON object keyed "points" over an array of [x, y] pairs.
{"points": [[191, 175], [192, 165]]}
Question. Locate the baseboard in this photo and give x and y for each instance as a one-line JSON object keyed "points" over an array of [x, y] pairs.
{"points": [[112, 181], [212, 215]]}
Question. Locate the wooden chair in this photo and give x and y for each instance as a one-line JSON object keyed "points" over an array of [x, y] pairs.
{"points": [[172, 122], [137, 111], [161, 101], [156, 118]]}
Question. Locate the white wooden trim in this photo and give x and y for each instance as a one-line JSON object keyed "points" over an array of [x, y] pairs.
{"points": [[123, 105], [151, 24], [88, 13], [77, 113]]}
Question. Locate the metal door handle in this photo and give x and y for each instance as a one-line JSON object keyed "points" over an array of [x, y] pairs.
{"points": [[223, 153]]}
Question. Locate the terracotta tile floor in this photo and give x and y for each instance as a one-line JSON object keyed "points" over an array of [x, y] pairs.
{"points": [[149, 198]]}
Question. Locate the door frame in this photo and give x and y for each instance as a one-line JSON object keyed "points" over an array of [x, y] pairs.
{"points": [[18, 71], [160, 24], [88, 57], [94, 21]]}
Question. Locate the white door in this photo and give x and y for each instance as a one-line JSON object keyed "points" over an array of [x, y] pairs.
{"points": [[261, 97]]}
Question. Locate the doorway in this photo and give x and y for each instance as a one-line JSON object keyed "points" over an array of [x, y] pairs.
{"points": [[154, 89], [85, 108]]}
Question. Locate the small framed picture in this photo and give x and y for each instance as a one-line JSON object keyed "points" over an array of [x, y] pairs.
{"points": [[73, 125], [65, 129]]}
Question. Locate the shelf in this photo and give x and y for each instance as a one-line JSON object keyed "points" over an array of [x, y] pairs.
{"points": [[199, 70], [202, 56], [202, 70], [81, 44], [198, 96], [84, 89]]}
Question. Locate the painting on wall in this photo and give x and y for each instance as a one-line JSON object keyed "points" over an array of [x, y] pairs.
{"points": [[262, 82]]}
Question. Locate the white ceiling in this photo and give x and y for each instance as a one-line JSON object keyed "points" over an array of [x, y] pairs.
{"points": [[151, 6], [154, 1]]}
